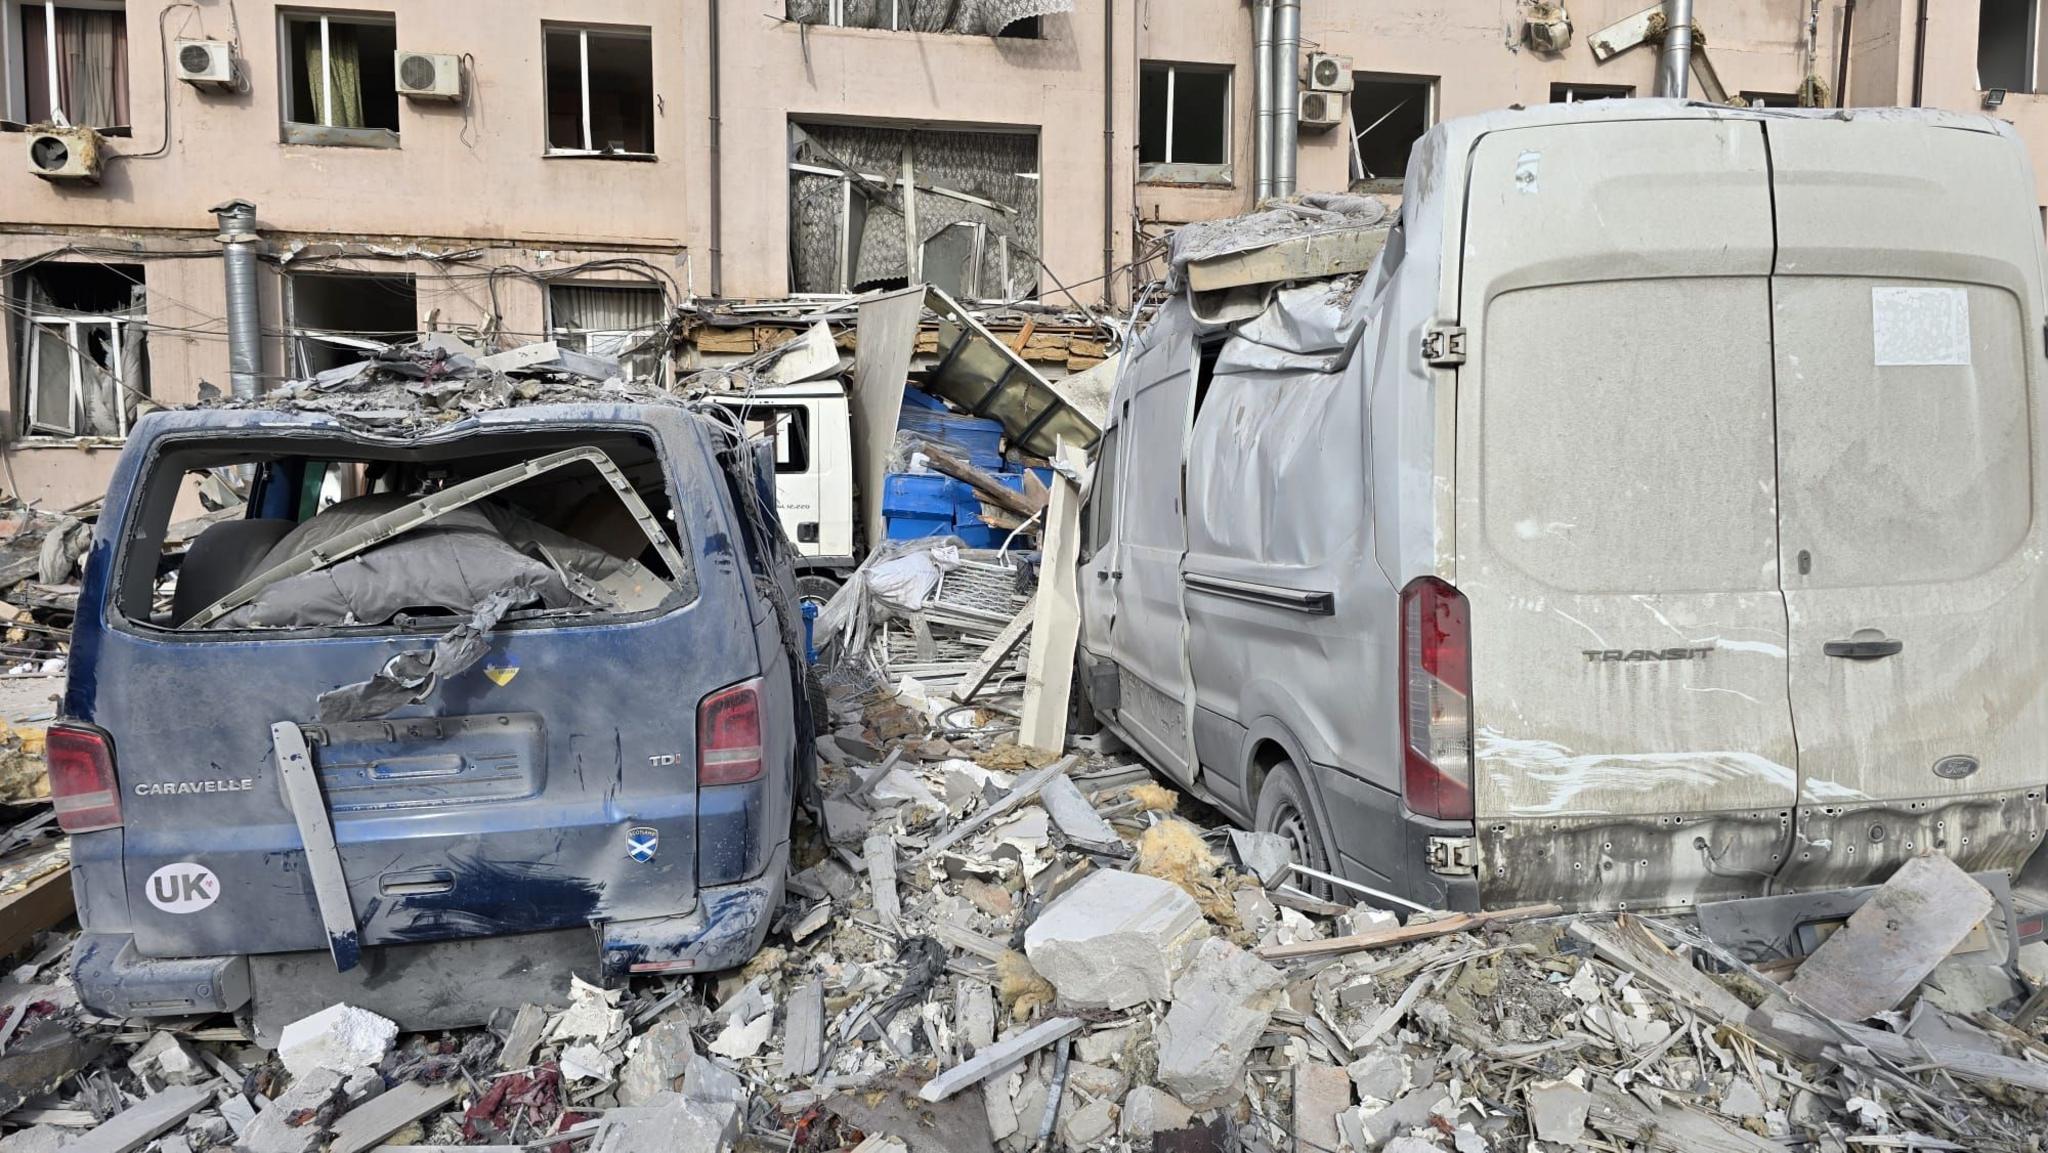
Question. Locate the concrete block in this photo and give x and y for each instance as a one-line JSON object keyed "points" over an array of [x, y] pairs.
{"points": [[273, 1130], [1263, 855], [1114, 940], [1321, 1092], [657, 1063], [40, 1139], [1557, 1111], [166, 1057], [337, 1037], [1220, 1008], [1086, 1127], [1382, 1074], [1096, 1080], [1149, 1110], [670, 1121]]}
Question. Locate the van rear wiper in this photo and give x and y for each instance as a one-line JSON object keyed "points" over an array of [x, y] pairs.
{"points": [[432, 507]]}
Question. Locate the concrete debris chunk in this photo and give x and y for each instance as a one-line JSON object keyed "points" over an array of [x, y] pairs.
{"points": [[166, 1058], [670, 1121], [657, 1062], [1114, 940], [1148, 1109], [337, 1037], [743, 1039], [1557, 1111], [1263, 855], [592, 1015], [1087, 1126], [293, 1122], [1220, 1009]]}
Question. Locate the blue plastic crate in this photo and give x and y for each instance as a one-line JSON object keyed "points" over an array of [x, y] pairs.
{"points": [[918, 494], [917, 527]]}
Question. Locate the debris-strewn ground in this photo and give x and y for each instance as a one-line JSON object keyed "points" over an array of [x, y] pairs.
{"points": [[993, 947]]}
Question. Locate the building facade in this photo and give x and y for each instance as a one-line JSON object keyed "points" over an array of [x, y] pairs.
{"points": [[505, 171]]}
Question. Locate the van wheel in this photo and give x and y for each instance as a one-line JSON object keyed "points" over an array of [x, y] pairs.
{"points": [[815, 589], [1284, 809]]}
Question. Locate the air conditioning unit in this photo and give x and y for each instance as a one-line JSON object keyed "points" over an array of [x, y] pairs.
{"points": [[429, 75], [1320, 110], [1548, 28], [1328, 73], [67, 154], [204, 63]]}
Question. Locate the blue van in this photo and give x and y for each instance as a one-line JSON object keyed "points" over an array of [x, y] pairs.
{"points": [[514, 694]]}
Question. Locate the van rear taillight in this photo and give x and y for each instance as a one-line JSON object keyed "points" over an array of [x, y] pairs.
{"points": [[82, 785], [729, 735], [1436, 700]]}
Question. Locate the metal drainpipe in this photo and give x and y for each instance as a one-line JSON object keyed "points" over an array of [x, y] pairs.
{"points": [[245, 334], [1108, 152], [1842, 57], [1674, 66], [1286, 93], [717, 206], [1262, 100], [1920, 56]]}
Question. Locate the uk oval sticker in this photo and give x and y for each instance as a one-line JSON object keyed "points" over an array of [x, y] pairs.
{"points": [[183, 888]]}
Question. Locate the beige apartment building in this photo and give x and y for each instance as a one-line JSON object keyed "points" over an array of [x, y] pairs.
{"points": [[512, 170]]}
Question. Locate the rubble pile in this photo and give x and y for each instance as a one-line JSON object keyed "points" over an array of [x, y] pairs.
{"points": [[41, 555], [991, 947]]}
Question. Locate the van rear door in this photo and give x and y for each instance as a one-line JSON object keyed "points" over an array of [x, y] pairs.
{"points": [[1908, 406], [1616, 505]]}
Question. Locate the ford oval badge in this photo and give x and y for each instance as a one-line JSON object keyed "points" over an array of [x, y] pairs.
{"points": [[1955, 768]]}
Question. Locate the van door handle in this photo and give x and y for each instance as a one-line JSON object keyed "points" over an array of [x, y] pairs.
{"points": [[1863, 650]]}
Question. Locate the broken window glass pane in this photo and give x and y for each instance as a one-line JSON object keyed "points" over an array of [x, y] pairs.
{"points": [[1389, 113], [83, 365]]}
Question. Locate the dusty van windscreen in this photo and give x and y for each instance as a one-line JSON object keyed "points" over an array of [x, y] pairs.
{"points": [[237, 532]]}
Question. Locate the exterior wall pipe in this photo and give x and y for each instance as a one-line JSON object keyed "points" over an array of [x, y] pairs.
{"points": [[1842, 57], [1286, 93], [238, 238], [1674, 66], [1262, 98], [1108, 154], [717, 170], [1920, 56]]}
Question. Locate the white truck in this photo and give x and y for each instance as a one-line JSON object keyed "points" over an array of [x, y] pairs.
{"points": [[814, 477], [1657, 522]]}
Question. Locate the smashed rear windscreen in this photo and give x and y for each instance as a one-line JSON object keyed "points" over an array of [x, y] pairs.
{"points": [[325, 532]]}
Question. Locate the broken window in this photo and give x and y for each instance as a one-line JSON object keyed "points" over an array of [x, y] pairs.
{"points": [[1183, 122], [83, 361], [600, 92], [339, 83], [340, 533], [788, 428], [625, 322], [74, 64], [971, 220], [338, 318], [1015, 19], [1389, 113], [1579, 93], [2008, 34]]}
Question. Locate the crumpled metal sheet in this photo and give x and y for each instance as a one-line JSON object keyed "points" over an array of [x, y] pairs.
{"points": [[413, 676]]}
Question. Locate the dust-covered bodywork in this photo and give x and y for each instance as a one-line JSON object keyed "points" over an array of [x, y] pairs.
{"points": [[542, 659], [1708, 480]]}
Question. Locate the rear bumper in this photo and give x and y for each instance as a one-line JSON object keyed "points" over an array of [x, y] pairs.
{"points": [[724, 930]]}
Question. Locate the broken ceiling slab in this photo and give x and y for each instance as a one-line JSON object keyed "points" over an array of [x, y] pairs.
{"points": [[1316, 256], [987, 378]]}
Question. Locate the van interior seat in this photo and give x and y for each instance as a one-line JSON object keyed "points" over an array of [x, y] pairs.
{"points": [[220, 559]]}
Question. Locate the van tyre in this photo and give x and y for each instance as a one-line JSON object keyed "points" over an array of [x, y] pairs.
{"points": [[1284, 809], [815, 588]]}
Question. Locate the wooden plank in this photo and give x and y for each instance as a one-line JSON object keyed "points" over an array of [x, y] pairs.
{"points": [[1076, 819], [323, 859], [1803, 1036], [1669, 1128], [521, 1037], [1056, 614], [997, 1058], [41, 904], [985, 486], [1623, 34], [1628, 946], [138, 1125], [803, 1030], [879, 852], [1888, 946], [386, 1113], [1024, 791], [996, 653], [1380, 938], [1312, 257]]}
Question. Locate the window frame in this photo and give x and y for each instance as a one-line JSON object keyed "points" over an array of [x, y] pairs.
{"points": [[1169, 170], [1431, 91], [1596, 92], [11, 40], [557, 330], [292, 130], [296, 334], [2032, 42], [582, 33], [27, 385]]}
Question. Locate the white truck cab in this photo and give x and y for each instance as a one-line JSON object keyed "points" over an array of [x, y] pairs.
{"points": [[814, 487]]}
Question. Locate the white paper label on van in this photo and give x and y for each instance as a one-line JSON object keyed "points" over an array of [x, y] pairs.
{"points": [[183, 888], [1911, 326]]}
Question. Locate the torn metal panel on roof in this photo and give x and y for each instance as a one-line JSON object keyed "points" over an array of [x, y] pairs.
{"points": [[986, 377]]}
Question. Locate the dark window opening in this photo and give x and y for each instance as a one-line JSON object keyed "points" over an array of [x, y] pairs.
{"points": [[2006, 44], [1028, 28], [338, 318], [1389, 114], [339, 73], [90, 84], [1580, 93], [600, 91], [1183, 118], [1770, 99], [1210, 348], [563, 537], [82, 355]]}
